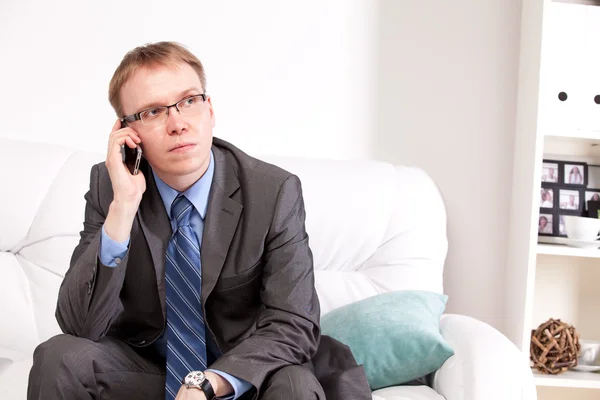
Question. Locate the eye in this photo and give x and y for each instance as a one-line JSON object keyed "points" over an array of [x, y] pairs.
{"points": [[152, 113], [189, 102]]}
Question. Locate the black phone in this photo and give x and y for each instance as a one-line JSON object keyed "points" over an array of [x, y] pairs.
{"points": [[131, 157]]}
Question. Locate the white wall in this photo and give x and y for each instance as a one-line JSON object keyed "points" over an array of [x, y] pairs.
{"points": [[447, 85], [285, 77], [425, 83]]}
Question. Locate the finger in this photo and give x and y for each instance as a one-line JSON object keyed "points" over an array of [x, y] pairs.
{"points": [[134, 135], [120, 137], [127, 132], [116, 141], [116, 126], [130, 142]]}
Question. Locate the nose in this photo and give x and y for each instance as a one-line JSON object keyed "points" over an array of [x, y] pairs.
{"points": [[176, 124]]}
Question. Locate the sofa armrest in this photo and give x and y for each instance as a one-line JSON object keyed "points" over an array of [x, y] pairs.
{"points": [[486, 364]]}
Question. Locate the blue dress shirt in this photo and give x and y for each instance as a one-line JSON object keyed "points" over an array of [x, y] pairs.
{"points": [[111, 252]]}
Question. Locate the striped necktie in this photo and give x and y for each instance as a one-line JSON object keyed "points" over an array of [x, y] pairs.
{"points": [[186, 345]]}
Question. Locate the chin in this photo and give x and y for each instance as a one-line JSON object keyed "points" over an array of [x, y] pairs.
{"points": [[183, 167]]}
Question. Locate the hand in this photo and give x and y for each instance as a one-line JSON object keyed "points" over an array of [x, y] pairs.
{"points": [[127, 188], [190, 394]]}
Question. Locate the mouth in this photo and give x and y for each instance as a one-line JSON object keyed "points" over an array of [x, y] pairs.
{"points": [[181, 147]]}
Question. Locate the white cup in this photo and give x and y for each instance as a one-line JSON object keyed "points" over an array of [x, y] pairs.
{"points": [[590, 350], [582, 228]]}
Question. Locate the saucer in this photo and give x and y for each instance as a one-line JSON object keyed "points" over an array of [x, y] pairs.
{"points": [[587, 368], [582, 244]]}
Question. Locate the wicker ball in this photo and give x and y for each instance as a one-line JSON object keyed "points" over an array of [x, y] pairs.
{"points": [[554, 347]]}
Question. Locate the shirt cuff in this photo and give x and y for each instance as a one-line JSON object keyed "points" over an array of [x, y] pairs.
{"points": [[240, 386], [111, 252]]}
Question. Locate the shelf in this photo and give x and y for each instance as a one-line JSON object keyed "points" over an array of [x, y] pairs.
{"points": [[571, 379], [566, 251], [576, 146], [591, 135]]}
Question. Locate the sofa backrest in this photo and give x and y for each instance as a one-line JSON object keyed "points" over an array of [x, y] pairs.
{"points": [[373, 227]]}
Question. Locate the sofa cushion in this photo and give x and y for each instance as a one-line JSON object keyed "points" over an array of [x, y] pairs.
{"points": [[395, 335], [407, 393]]}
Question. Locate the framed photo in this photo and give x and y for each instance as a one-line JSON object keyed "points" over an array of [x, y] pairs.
{"points": [[547, 198], [569, 199], [591, 194], [550, 172], [593, 209], [575, 174], [545, 225]]}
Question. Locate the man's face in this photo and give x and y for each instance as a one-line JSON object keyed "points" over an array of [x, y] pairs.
{"points": [[162, 144]]}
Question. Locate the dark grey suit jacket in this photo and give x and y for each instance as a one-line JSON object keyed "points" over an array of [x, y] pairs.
{"points": [[258, 295]]}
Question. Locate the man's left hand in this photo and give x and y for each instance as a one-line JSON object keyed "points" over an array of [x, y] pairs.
{"points": [[190, 394]]}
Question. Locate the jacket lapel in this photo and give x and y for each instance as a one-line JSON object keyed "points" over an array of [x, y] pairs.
{"points": [[222, 216], [157, 230]]}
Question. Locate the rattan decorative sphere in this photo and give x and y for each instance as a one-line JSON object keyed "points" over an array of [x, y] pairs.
{"points": [[554, 347]]}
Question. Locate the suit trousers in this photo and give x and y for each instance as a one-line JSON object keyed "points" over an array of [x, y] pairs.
{"points": [[68, 367]]}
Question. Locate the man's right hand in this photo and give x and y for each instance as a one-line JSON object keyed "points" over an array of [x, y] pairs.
{"points": [[127, 188]]}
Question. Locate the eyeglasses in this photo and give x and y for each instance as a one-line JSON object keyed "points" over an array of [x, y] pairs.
{"points": [[155, 116]]}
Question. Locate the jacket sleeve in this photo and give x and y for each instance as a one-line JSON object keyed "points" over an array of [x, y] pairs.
{"points": [[288, 330], [88, 298]]}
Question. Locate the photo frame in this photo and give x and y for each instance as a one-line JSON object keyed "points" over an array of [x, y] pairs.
{"points": [[593, 209], [547, 198], [546, 224], [574, 174], [551, 170], [570, 201], [563, 191], [590, 195]]}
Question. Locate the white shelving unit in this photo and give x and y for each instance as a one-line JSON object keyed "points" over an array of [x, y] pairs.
{"points": [[569, 379], [566, 251], [560, 52]]}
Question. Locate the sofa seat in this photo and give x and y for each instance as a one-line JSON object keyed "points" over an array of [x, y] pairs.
{"points": [[407, 393]]}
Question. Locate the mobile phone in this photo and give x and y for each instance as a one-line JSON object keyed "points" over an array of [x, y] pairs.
{"points": [[131, 157]]}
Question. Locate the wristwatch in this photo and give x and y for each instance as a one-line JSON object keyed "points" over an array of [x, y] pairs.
{"points": [[197, 380]]}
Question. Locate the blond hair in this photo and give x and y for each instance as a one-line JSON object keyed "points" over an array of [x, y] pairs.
{"points": [[150, 55]]}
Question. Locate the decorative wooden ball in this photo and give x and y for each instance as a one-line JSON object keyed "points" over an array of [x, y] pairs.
{"points": [[554, 347]]}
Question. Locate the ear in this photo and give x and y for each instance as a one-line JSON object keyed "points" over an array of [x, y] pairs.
{"points": [[211, 110]]}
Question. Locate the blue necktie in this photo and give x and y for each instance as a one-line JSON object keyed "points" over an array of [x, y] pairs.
{"points": [[186, 345]]}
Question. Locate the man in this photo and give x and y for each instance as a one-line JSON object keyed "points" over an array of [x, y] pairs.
{"points": [[197, 269]]}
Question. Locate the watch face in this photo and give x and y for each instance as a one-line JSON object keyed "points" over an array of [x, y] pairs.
{"points": [[194, 378]]}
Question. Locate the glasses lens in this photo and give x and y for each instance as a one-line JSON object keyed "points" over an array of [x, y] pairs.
{"points": [[191, 105], [154, 116]]}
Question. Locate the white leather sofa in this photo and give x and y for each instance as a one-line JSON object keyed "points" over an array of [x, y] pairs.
{"points": [[373, 227]]}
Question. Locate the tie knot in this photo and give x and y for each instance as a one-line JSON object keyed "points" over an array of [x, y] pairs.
{"points": [[181, 210]]}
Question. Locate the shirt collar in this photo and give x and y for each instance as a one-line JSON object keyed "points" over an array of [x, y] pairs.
{"points": [[197, 194]]}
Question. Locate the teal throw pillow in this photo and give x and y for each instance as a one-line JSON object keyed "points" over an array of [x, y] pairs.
{"points": [[395, 336]]}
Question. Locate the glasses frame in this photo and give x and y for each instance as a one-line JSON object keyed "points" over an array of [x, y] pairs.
{"points": [[137, 116]]}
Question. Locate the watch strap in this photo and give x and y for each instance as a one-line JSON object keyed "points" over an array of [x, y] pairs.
{"points": [[207, 389]]}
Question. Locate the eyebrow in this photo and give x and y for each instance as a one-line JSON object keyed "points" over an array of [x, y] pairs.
{"points": [[180, 97]]}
